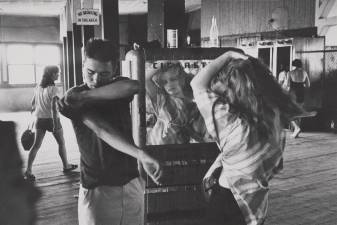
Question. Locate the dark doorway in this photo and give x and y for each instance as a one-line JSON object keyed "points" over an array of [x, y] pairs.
{"points": [[265, 54], [283, 59]]}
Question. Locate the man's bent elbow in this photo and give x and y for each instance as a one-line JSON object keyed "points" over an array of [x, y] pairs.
{"points": [[134, 86]]}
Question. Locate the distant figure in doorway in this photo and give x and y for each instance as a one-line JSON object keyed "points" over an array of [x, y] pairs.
{"points": [[298, 80], [111, 190], [246, 111], [18, 196], [283, 77], [47, 119], [169, 97]]}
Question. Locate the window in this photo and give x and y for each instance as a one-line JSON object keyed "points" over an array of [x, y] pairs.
{"points": [[46, 55], [26, 62], [20, 64]]}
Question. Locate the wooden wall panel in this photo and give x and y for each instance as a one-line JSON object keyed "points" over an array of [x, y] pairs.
{"points": [[251, 16], [29, 29]]}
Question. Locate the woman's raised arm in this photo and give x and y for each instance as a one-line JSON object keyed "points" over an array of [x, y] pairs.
{"points": [[202, 79]]}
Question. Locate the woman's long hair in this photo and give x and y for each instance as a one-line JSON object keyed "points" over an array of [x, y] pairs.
{"points": [[47, 77], [177, 109], [254, 95], [184, 78]]}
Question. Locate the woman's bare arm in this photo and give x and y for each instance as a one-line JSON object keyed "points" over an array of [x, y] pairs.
{"points": [[54, 110], [307, 80], [33, 102], [151, 69], [202, 80]]}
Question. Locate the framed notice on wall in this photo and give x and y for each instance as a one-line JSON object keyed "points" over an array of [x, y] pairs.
{"points": [[87, 17]]}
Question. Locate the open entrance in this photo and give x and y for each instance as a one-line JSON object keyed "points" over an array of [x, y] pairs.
{"points": [[266, 54], [283, 58]]}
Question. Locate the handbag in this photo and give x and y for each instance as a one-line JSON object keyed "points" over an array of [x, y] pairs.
{"points": [[28, 136], [27, 139]]}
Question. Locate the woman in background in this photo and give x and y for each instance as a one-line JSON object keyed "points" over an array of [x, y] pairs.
{"points": [[298, 80], [245, 111], [47, 119]]}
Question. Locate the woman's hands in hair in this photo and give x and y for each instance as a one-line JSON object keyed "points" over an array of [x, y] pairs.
{"points": [[202, 80], [234, 55]]}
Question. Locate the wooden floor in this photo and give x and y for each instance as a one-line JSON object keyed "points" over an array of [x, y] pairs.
{"points": [[305, 193]]}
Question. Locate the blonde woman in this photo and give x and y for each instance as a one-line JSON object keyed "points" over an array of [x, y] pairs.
{"points": [[245, 111]]}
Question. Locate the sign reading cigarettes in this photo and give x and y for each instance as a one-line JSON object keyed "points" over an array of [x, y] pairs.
{"points": [[87, 17]]}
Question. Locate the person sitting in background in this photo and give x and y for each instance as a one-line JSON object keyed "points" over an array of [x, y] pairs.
{"points": [[170, 107], [245, 111], [47, 119], [18, 197], [298, 80]]}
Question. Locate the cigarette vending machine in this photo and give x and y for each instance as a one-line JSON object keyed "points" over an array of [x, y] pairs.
{"points": [[174, 135]]}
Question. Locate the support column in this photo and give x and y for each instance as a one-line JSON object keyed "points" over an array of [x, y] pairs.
{"points": [[65, 64], [155, 21], [63, 39], [110, 21], [77, 44], [70, 68], [77, 53], [163, 15], [69, 72], [87, 31]]}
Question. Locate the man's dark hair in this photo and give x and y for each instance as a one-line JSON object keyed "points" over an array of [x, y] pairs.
{"points": [[101, 50]]}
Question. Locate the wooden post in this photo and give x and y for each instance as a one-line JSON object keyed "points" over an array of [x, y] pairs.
{"points": [[163, 15], [77, 45], [155, 21], [110, 22], [87, 31], [70, 58], [65, 64]]}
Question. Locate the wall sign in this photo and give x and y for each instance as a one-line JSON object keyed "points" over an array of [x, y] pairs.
{"points": [[87, 17]]}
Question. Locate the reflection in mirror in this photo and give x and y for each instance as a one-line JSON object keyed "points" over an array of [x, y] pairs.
{"points": [[172, 116]]}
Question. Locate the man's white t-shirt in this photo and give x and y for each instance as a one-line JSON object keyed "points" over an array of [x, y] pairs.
{"points": [[43, 101]]}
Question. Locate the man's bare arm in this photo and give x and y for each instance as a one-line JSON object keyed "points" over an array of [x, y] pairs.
{"points": [[115, 90], [116, 140]]}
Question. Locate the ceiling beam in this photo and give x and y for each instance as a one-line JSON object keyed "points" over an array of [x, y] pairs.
{"points": [[322, 21], [329, 21], [325, 8]]}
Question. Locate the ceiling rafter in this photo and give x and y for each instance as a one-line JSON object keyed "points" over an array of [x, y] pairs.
{"points": [[322, 19], [55, 7]]}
